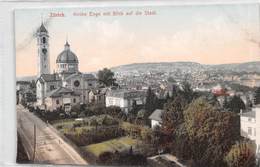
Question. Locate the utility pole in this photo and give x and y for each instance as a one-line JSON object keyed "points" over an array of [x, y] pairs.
{"points": [[34, 142]]}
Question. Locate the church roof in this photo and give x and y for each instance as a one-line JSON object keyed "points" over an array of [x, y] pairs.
{"points": [[42, 28], [89, 76], [67, 56], [60, 91], [72, 75], [49, 78]]}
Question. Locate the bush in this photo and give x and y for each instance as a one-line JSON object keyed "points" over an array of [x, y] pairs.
{"points": [[108, 158], [74, 114], [95, 135], [241, 155]]}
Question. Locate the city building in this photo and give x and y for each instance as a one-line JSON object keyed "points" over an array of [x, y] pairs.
{"points": [[250, 126], [66, 83], [125, 99], [156, 118], [98, 96]]}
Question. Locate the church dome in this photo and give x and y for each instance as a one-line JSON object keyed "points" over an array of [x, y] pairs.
{"points": [[67, 56]]}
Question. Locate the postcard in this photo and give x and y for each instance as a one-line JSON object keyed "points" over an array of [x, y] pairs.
{"points": [[158, 86]]}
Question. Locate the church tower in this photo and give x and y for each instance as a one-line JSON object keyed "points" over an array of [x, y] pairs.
{"points": [[43, 59]]}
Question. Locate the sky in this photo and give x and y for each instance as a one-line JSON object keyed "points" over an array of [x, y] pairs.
{"points": [[207, 34]]}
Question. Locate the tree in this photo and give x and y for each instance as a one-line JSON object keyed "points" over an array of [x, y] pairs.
{"points": [[236, 104], [151, 103], [172, 116], [257, 96], [211, 133], [187, 91], [33, 84], [241, 155], [106, 77], [225, 103]]}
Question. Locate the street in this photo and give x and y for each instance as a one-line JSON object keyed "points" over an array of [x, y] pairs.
{"points": [[50, 147]]}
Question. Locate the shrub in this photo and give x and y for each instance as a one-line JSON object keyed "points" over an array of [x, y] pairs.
{"points": [[241, 155]]}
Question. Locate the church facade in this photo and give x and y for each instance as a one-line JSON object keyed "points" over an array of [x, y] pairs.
{"points": [[67, 86]]}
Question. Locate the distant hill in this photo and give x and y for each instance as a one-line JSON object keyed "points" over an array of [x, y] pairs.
{"points": [[240, 67], [189, 66], [174, 66], [163, 66]]}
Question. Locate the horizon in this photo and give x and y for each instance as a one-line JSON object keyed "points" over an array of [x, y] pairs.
{"points": [[209, 35], [150, 63]]}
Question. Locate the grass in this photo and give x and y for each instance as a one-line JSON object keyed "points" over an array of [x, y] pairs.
{"points": [[119, 144]]}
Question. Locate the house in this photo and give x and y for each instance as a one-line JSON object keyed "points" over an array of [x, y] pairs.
{"points": [[156, 118], [97, 96], [125, 99], [250, 126], [61, 98]]}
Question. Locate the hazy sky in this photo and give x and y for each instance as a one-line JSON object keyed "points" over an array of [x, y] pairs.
{"points": [[213, 34]]}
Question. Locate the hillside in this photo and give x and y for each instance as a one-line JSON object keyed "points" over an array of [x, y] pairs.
{"points": [[188, 66]]}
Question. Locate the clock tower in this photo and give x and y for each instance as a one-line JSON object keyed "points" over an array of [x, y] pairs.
{"points": [[43, 59]]}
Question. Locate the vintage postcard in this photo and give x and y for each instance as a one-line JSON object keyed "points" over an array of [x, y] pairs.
{"points": [[159, 86]]}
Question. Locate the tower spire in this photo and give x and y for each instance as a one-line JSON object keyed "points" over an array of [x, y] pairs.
{"points": [[67, 45], [41, 19]]}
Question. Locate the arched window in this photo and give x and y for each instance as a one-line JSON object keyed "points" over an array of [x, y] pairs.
{"points": [[43, 40]]}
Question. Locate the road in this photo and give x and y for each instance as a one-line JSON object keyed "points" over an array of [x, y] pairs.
{"points": [[50, 147]]}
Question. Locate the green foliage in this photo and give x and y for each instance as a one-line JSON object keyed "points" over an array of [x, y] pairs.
{"points": [[241, 155], [136, 131], [211, 133], [257, 96], [86, 137], [173, 114], [151, 103], [106, 77], [181, 146], [225, 103], [236, 104], [187, 91], [33, 85], [108, 158]]}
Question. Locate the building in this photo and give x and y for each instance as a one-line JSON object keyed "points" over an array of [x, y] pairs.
{"points": [[250, 127], [61, 98], [156, 118], [125, 99], [98, 96], [66, 83]]}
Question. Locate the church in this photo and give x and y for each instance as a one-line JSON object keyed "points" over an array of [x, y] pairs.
{"points": [[67, 86]]}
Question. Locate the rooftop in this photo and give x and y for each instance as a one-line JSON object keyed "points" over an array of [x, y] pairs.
{"points": [[60, 91], [49, 77], [126, 94], [156, 115]]}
